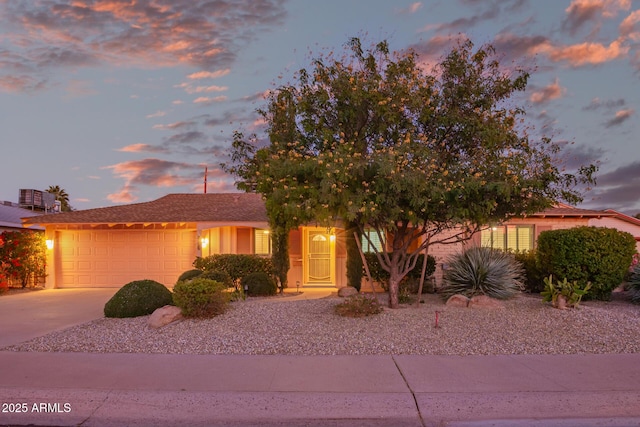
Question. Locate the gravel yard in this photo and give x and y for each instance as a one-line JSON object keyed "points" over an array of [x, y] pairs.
{"points": [[310, 327]]}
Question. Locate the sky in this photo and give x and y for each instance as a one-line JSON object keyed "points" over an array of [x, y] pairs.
{"points": [[124, 101]]}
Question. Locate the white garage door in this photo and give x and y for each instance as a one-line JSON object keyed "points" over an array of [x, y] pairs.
{"points": [[113, 258]]}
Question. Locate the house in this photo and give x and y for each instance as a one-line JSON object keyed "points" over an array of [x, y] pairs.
{"points": [[11, 217], [160, 239]]}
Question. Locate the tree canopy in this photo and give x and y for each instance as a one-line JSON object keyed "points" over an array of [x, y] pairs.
{"points": [[374, 139]]}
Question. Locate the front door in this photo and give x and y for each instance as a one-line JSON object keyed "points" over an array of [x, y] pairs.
{"points": [[319, 265]]}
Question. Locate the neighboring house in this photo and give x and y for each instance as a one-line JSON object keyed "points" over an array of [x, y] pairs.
{"points": [[11, 217], [109, 247], [620, 222]]}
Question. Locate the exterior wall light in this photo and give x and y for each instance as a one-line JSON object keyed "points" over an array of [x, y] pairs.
{"points": [[49, 243], [204, 242]]}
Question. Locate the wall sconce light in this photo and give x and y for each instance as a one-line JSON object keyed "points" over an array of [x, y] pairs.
{"points": [[49, 243], [332, 237], [204, 242]]}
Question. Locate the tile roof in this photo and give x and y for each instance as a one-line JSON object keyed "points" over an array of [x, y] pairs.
{"points": [[212, 207], [562, 210]]}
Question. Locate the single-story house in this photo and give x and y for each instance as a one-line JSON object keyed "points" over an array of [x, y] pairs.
{"points": [[160, 239]]}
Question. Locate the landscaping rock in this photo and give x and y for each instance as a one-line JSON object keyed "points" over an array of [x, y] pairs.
{"points": [[457, 300], [347, 291], [164, 315], [483, 301]]}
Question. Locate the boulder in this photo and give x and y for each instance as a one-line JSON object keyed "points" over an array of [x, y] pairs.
{"points": [[347, 291], [483, 301], [457, 300], [164, 315]]}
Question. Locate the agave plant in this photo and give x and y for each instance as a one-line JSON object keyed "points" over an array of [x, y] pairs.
{"points": [[483, 271], [634, 284]]}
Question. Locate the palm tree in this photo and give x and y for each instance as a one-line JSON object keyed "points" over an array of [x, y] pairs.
{"points": [[61, 196]]}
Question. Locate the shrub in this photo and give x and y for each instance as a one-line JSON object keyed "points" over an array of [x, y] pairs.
{"points": [[587, 254], [483, 271], [533, 275], [138, 298], [201, 297], [410, 282], [570, 292], [634, 284], [236, 265], [188, 275], [358, 306], [218, 276], [259, 284]]}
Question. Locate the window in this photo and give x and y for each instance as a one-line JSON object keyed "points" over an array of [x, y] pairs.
{"points": [[262, 241], [508, 237], [375, 241]]}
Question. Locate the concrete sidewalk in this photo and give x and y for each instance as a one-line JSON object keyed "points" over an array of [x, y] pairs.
{"points": [[207, 390]]}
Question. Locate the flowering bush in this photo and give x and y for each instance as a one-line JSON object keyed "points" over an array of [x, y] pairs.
{"points": [[22, 257]]}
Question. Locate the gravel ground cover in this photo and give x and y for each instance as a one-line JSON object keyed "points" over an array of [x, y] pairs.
{"points": [[310, 327]]}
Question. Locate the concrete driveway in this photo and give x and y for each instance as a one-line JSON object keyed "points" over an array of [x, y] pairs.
{"points": [[32, 314]]}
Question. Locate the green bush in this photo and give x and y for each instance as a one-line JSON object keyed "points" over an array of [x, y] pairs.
{"points": [[259, 284], [201, 297], [570, 292], [634, 284], [534, 277], [587, 254], [410, 282], [188, 275], [138, 298], [483, 271], [359, 305], [235, 265], [218, 276]]}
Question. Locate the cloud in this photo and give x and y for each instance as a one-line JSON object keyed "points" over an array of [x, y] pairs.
{"points": [[548, 93], [618, 189], [156, 114], [620, 117], [585, 53], [176, 125], [187, 138], [465, 23], [80, 88], [628, 26], [582, 12], [205, 100], [597, 103], [189, 88], [209, 74], [412, 8], [150, 172], [40, 36], [142, 148]]}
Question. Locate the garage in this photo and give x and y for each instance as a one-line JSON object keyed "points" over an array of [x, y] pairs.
{"points": [[112, 258]]}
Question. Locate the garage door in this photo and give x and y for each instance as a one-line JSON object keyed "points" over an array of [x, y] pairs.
{"points": [[112, 258]]}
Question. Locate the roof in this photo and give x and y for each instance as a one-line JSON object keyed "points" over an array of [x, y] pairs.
{"points": [[623, 217], [565, 211], [10, 216], [213, 207]]}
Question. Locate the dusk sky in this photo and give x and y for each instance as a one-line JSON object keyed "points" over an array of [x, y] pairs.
{"points": [[122, 101]]}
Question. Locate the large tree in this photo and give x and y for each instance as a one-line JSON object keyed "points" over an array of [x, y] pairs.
{"points": [[418, 157]]}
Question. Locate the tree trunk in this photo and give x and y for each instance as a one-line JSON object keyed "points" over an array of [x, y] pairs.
{"points": [[394, 287]]}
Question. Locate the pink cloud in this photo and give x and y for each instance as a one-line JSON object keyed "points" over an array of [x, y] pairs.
{"points": [[45, 34], [548, 93], [628, 26], [412, 8], [581, 12], [584, 53], [620, 117], [209, 74], [140, 148]]}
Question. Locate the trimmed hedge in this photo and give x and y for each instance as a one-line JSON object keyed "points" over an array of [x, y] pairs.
{"points": [[237, 266], [201, 297], [259, 284], [138, 298], [188, 275], [587, 254]]}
